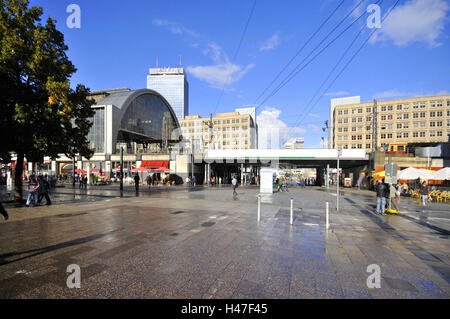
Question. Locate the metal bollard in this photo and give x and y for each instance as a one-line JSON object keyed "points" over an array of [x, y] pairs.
{"points": [[292, 211], [328, 217], [259, 208]]}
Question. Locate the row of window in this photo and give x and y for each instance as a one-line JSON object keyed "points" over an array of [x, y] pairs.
{"points": [[390, 117], [191, 124], [399, 107], [390, 135]]}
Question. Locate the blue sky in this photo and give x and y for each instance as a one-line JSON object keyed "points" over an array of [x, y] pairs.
{"points": [[119, 41]]}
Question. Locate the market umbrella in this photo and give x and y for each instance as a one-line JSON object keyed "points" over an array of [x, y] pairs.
{"points": [[79, 171], [141, 169], [161, 170], [380, 174], [443, 174], [414, 173]]}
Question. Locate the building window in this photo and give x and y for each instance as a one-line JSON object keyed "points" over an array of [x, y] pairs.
{"points": [[383, 108], [432, 104], [399, 125], [406, 116], [423, 124], [405, 125], [405, 135], [439, 114], [369, 119], [399, 135], [383, 117], [432, 124], [422, 114], [415, 105], [359, 119], [399, 116], [340, 121], [353, 137], [354, 129], [345, 112], [432, 133], [354, 111], [360, 110], [405, 106], [345, 121], [390, 108], [439, 133], [399, 107], [360, 146], [415, 115], [389, 127], [369, 109], [359, 137], [354, 120], [422, 134], [368, 128], [339, 138], [439, 104], [383, 136], [389, 135], [415, 134], [368, 137], [439, 123], [390, 117], [340, 130], [368, 146], [432, 114], [339, 112]]}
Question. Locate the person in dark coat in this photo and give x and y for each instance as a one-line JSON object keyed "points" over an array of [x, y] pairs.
{"points": [[382, 192], [4, 212], [136, 182]]}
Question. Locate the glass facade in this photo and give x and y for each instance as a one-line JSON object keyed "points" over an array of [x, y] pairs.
{"points": [[96, 135], [148, 115], [174, 88]]}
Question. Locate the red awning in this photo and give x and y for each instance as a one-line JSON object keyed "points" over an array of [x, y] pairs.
{"points": [[155, 164]]}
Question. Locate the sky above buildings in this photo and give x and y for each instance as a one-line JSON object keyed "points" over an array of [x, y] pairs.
{"points": [[233, 50]]}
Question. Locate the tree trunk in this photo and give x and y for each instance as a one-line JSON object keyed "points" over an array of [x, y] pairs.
{"points": [[18, 191]]}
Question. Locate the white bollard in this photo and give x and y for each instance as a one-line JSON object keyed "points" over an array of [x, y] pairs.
{"points": [[328, 218], [259, 208], [292, 211]]}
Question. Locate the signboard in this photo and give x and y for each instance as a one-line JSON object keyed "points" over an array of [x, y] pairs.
{"points": [[390, 171], [266, 182], [299, 140]]}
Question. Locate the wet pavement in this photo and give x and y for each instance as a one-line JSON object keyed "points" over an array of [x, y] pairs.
{"points": [[203, 243]]}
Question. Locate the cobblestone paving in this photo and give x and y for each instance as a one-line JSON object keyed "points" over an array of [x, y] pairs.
{"points": [[202, 243]]}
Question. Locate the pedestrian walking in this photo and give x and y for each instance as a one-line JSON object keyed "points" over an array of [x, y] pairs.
{"points": [[80, 181], [424, 192], [149, 181], [43, 191], [4, 212], [285, 185], [33, 186], [381, 191], [85, 181], [136, 182], [194, 180], [234, 182]]}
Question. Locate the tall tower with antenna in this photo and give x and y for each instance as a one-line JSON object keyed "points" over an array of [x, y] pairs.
{"points": [[172, 84]]}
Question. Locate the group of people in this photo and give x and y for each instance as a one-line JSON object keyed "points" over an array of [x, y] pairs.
{"points": [[191, 181], [392, 193], [282, 185], [38, 188]]}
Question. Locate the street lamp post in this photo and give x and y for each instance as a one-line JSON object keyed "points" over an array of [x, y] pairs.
{"points": [[121, 168], [339, 153]]}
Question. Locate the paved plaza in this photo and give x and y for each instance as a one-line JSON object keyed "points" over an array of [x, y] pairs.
{"points": [[182, 242]]}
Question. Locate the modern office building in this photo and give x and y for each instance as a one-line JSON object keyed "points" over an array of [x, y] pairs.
{"points": [[172, 84], [234, 130], [295, 144], [412, 120]]}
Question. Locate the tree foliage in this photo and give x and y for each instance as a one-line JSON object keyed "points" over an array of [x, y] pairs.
{"points": [[40, 114]]}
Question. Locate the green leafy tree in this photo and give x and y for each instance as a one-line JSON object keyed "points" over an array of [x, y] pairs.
{"points": [[40, 114]]}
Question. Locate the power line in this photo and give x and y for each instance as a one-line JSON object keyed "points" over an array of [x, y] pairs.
{"points": [[330, 73], [300, 50], [350, 61], [296, 70], [236, 53]]}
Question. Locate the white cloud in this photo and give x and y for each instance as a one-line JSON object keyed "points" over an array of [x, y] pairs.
{"points": [[392, 93], [310, 114], [313, 127], [175, 27], [339, 93], [271, 43], [415, 21], [223, 73], [273, 132]]}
